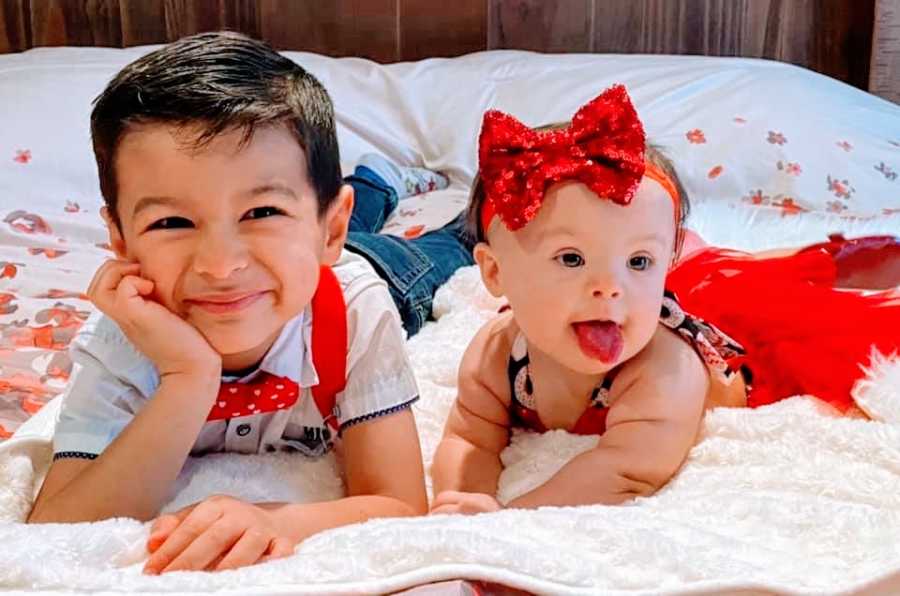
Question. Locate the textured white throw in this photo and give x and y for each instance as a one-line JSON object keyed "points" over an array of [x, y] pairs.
{"points": [[787, 497]]}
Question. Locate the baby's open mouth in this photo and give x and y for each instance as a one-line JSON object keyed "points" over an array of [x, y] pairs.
{"points": [[601, 340]]}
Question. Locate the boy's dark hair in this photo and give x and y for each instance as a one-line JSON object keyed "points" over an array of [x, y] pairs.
{"points": [[653, 154], [220, 81]]}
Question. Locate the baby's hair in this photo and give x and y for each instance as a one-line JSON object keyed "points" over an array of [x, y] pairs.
{"points": [[220, 81], [654, 155]]}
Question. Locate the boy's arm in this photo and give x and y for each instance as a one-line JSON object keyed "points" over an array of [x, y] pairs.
{"points": [[468, 457], [133, 476], [383, 467], [651, 427]]}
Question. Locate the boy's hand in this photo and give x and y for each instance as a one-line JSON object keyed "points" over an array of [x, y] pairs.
{"points": [[455, 502], [171, 343], [219, 533]]}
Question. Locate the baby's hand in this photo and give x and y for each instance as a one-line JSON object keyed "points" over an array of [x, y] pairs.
{"points": [[451, 501], [219, 533], [172, 344]]}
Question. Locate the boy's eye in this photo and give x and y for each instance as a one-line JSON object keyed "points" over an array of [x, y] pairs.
{"points": [[261, 212], [170, 223], [640, 262], [570, 259]]}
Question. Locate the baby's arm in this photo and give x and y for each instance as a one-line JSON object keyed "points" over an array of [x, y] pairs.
{"points": [[657, 405], [133, 475], [477, 430]]}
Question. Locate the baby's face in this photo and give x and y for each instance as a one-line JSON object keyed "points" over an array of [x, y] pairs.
{"points": [[229, 233], [585, 277]]}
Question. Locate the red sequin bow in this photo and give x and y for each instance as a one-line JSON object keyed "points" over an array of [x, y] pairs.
{"points": [[266, 393], [603, 148]]}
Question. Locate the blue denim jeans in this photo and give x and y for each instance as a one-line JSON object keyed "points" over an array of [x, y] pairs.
{"points": [[413, 269]]}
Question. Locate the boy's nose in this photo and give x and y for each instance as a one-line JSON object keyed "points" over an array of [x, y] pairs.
{"points": [[220, 258]]}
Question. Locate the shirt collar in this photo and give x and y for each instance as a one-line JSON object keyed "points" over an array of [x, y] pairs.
{"points": [[290, 355]]}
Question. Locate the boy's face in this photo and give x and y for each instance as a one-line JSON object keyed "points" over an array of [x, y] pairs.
{"points": [[229, 233], [581, 264]]}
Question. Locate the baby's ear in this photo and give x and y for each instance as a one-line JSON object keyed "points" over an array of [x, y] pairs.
{"points": [[337, 222], [116, 240], [490, 268]]}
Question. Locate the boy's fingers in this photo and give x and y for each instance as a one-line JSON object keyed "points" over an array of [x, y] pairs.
{"points": [[219, 538], [193, 526], [280, 547], [248, 550], [160, 530]]}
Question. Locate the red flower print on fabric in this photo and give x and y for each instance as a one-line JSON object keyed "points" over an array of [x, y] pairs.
{"points": [[22, 156], [756, 197], [890, 211], [695, 136], [413, 232], [9, 270], [790, 168], [840, 188], [7, 307], [28, 223], [715, 172], [836, 207], [776, 138], [789, 206], [845, 146], [740, 120], [72, 207], [55, 294], [50, 253]]}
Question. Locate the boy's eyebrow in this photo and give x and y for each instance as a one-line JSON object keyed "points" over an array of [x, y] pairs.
{"points": [[275, 187], [147, 202]]}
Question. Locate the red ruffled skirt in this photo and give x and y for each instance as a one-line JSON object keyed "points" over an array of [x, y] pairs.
{"points": [[801, 335]]}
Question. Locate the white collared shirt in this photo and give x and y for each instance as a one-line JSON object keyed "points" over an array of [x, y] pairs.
{"points": [[112, 380]]}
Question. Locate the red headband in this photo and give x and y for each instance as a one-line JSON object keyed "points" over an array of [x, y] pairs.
{"points": [[602, 148]]}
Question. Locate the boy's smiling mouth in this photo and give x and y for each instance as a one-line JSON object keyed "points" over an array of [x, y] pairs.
{"points": [[226, 303]]}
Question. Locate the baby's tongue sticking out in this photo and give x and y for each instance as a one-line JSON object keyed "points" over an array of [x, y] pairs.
{"points": [[600, 339]]}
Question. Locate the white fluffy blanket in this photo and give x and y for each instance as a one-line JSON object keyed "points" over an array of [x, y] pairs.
{"points": [[788, 498]]}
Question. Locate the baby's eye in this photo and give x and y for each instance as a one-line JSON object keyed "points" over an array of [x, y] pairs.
{"points": [[570, 259], [640, 262], [261, 212], [170, 223]]}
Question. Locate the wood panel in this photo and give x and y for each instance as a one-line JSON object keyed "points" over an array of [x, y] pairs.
{"points": [[366, 28], [428, 28], [541, 25], [82, 23], [831, 36], [15, 25]]}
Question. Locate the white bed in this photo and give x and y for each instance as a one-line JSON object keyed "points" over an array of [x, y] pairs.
{"points": [[787, 498]]}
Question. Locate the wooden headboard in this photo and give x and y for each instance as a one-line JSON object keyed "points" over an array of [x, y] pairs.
{"points": [[834, 37]]}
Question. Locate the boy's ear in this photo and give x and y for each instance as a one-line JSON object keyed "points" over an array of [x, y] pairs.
{"points": [[337, 222], [489, 267], [116, 241]]}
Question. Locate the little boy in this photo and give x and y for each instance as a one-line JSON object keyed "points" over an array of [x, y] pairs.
{"points": [[232, 319]]}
